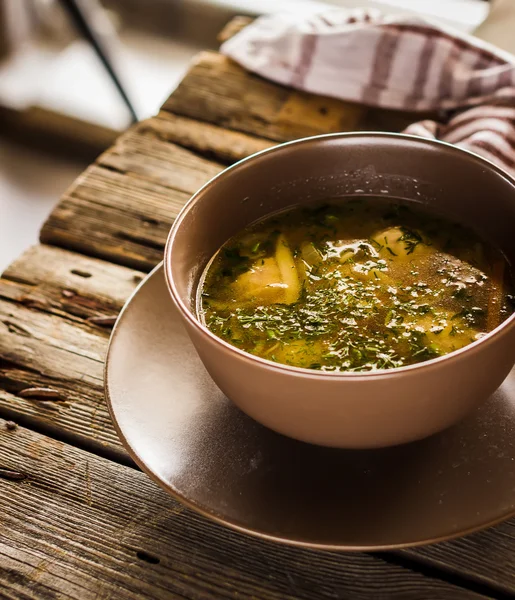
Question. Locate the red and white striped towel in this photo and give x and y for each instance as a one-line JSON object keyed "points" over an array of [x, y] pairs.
{"points": [[406, 64]]}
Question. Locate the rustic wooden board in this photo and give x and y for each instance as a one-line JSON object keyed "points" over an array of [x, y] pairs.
{"points": [[233, 27], [53, 370], [65, 283], [69, 351], [209, 140], [219, 91], [78, 526], [56, 312], [122, 207]]}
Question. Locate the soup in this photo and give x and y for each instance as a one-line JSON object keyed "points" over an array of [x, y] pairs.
{"points": [[355, 285]]}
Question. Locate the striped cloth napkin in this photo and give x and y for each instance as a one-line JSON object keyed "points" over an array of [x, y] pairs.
{"points": [[409, 64]]}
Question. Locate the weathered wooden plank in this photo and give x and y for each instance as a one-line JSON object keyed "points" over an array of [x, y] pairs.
{"points": [[219, 91], [81, 527], [25, 332], [204, 138], [42, 352], [147, 158], [122, 208], [68, 284], [51, 338], [91, 218], [233, 27]]}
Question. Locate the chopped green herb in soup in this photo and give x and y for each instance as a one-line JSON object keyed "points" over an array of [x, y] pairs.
{"points": [[355, 285]]}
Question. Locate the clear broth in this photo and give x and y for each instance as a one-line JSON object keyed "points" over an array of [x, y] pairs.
{"points": [[355, 285]]}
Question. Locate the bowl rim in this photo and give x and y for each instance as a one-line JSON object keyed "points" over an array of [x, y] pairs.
{"points": [[430, 364]]}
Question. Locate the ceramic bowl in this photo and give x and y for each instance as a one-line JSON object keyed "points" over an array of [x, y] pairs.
{"points": [[361, 410]]}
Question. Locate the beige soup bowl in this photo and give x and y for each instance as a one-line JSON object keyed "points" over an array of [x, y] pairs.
{"points": [[362, 410]]}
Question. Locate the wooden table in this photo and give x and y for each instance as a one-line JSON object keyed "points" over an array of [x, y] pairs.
{"points": [[77, 518]]}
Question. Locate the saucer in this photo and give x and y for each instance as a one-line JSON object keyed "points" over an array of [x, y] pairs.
{"points": [[183, 432]]}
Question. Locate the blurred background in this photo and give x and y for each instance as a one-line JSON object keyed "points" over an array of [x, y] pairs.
{"points": [[75, 73]]}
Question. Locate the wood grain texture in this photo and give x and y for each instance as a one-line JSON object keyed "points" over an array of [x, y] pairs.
{"points": [[68, 284], [122, 207], [233, 27], [487, 557], [49, 339], [219, 91], [208, 140], [80, 527], [45, 352]]}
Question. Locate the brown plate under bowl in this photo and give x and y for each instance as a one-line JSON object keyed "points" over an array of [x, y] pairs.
{"points": [[196, 444], [348, 410]]}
